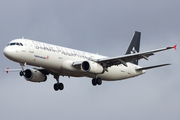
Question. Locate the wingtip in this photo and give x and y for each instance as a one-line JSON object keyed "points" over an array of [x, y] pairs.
{"points": [[7, 70], [175, 47]]}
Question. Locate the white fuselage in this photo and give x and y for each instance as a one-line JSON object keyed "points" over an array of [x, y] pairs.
{"points": [[60, 59]]}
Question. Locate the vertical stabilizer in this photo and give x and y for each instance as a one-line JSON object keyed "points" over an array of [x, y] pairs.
{"points": [[134, 45]]}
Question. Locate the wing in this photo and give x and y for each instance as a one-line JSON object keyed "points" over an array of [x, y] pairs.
{"points": [[7, 70], [44, 71], [108, 62]]}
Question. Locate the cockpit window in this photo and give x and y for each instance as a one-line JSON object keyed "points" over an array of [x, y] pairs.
{"points": [[11, 44], [17, 44]]}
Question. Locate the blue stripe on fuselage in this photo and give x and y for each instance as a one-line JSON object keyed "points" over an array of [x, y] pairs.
{"points": [[39, 57]]}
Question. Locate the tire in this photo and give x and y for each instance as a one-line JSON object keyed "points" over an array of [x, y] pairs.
{"points": [[94, 82], [21, 73], [60, 86], [99, 81], [56, 87]]}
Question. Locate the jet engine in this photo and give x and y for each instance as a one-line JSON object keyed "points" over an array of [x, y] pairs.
{"points": [[92, 67], [34, 75]]}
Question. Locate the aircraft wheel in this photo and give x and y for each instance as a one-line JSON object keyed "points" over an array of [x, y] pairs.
{"points": [[94, 82], [56, 87], [60, 86], [99, 81], [21, 73]]}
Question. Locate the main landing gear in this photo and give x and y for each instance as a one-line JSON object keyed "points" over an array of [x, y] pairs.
{"points": [[58, 86], [96, 81]]}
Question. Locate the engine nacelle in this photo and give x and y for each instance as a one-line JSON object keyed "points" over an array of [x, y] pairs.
{"points": [[34, 75], [92, 67]]}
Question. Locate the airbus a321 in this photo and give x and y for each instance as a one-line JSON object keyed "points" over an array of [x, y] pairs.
{"points": [[62, 61]]}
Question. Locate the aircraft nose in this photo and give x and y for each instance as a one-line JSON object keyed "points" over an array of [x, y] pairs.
{"points": [[7, 52]]}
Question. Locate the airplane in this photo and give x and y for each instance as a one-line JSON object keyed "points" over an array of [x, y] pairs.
{"points": [[62, 61]]}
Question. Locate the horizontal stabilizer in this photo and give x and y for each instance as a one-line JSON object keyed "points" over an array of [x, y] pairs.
{"points": [[145, 68]]}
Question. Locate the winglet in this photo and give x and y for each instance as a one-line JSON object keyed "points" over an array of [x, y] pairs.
{"points": [[7, 70], [175, 47]]}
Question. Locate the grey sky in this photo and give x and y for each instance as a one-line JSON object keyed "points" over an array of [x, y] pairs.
{"points": [[97, 26]]}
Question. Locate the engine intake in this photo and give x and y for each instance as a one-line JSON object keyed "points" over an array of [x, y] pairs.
{"points": [[34, 75], [92, 67]]}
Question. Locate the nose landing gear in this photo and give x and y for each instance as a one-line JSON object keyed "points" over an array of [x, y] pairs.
{"points": [[22, 73]]}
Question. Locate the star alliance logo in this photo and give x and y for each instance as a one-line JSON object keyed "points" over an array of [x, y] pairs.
{"points": [[133, 50]]}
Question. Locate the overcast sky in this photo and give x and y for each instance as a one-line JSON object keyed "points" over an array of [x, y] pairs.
{"points": [[98, 26]]}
